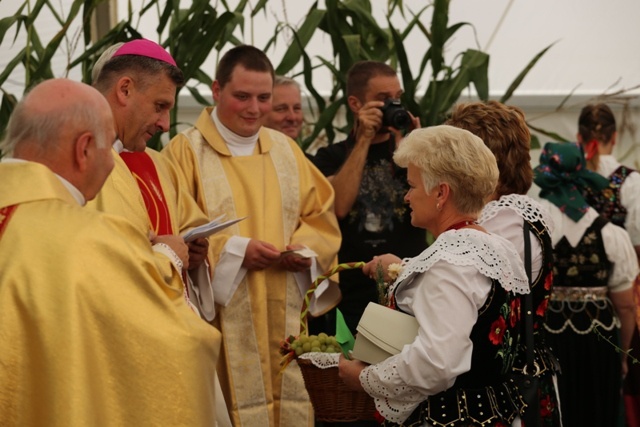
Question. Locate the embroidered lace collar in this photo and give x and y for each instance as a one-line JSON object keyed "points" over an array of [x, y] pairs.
{"points": [[492, 255], [526, 207]]}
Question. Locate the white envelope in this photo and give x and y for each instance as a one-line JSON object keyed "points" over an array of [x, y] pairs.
{"points": [[210, 228], [382, 333], [326, 296]]}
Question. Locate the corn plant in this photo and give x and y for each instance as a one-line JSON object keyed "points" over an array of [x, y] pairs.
{"points": [[355, 35], [198, 25], [204, 27]]}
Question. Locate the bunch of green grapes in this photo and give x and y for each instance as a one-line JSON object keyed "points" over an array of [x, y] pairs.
{"points": [[315, 343]]}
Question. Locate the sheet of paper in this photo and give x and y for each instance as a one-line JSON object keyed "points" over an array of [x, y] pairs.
{"points": [[302, 253], [210, 228]]}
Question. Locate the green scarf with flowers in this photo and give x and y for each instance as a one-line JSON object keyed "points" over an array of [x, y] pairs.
{"points": [[563, 178]]}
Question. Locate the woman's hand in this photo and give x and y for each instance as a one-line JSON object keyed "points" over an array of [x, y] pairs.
{"points": [[371, 268], [349, 372]]}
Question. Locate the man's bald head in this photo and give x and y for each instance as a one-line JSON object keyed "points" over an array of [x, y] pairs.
{"points": [[62, 124], [52, 113]]}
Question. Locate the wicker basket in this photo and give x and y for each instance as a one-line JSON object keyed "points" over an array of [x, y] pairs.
{"points": [[331, 399]]}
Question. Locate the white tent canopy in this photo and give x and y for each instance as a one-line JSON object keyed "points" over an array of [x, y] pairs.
{"points": [[595, 50]]}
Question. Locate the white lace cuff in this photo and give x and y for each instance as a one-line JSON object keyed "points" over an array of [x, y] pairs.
{"points": [[166, 250], [393, 398]]}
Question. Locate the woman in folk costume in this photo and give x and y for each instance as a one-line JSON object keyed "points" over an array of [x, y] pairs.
{"points": [[619, 203], [504, 130], [592, 298], [464, 291]]}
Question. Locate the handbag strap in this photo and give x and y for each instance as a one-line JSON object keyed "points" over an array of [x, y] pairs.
{"points": [[528, 301]]}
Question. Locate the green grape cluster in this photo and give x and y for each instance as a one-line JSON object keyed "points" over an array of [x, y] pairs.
{"points": [[315, 343]]}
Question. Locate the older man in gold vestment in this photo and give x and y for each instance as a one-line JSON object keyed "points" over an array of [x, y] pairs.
{"points": [[93, 331], [236, 167]]}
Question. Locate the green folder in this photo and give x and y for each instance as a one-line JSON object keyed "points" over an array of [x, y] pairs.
{"points": [[343, 335]]}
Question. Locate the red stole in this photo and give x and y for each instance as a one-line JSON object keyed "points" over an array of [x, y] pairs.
{"points": [[145, 173], [5, 216], [146, 176]]}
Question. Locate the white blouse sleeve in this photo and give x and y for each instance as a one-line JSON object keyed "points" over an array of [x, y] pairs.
{"points": [[510, 225], [630, 199], [620, 252], [445, 301]]}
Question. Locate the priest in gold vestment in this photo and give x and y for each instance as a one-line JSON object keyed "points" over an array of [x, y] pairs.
{"points": [[139, 79], [238, 168], [93, 331]]}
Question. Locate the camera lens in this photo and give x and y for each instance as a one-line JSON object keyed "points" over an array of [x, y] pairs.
{"points": [[400, 119], [394, 115]]}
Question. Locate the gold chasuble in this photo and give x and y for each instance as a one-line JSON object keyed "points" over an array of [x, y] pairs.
{"points": [[286, 201], [121, 195], [168, 209], [92, 334]]}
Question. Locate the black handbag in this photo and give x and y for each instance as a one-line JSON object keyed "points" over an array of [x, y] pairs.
{"points": [[528, 381]]}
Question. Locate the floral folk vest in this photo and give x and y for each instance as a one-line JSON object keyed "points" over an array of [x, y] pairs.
{"points": [[484, 396], [607, 202], [585, 266]]}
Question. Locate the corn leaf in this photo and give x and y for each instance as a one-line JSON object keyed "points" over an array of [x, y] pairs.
{"points": [[6, 23], [197, 96], [439, 24], [514, 85], [324, 122], [554, 136], [6, 108], [18, 59], [302, 36]]}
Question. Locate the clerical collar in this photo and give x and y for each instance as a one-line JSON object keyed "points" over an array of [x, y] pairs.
{"points": [[73, 190], [238, 145], [118, 146], [75, 193]]}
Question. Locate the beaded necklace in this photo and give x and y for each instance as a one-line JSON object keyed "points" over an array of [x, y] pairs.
{"points": [[461, 224]]}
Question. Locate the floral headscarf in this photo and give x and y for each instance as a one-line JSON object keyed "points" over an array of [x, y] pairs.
{"points": [[563, 177]]}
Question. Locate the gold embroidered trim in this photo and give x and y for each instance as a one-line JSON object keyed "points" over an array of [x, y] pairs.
{"points": [[576, 294]]}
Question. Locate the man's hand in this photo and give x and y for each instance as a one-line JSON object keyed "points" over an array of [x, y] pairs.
{"points": [[293, 262], [368, 121], [260, 255], [198, 249], [176, 243], [399, 135]]}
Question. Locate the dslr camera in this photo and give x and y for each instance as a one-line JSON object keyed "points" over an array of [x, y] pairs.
{"points": [[395, 115]]}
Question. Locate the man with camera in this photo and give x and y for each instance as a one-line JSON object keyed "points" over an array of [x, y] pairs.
{"points": [[369, 187]]}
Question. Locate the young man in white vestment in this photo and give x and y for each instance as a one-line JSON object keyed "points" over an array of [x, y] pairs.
{"points": [[238, 168]]}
